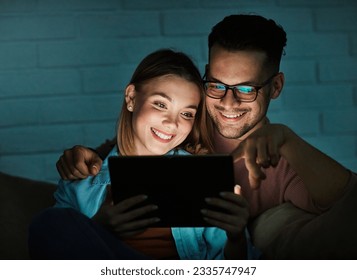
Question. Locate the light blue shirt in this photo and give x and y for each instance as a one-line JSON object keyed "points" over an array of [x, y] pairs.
{"points": [[87, 195]]}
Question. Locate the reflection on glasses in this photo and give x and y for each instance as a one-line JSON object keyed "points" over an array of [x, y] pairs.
{"points": [[244, 93]]}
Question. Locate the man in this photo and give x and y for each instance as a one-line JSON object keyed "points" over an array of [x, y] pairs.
{"points": [[273, 165]]}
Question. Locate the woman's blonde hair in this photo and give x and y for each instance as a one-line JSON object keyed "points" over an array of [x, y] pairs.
{"points": [[161, 63]]}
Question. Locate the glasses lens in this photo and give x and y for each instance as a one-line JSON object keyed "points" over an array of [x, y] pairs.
{"points": [[245, 90], [218, 90], [245, 93], [215, 90]]}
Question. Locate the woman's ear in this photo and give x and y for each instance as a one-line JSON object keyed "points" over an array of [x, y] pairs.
{"points": [[130, 97], [278, 84]]}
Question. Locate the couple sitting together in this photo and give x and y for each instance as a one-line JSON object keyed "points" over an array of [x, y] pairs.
{"points": [[170, 109]]}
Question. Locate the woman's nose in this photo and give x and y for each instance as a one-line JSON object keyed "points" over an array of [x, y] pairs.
{"points": [[170, 121]]}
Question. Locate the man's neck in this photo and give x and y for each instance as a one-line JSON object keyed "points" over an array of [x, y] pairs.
{"points": [[223, 145]]}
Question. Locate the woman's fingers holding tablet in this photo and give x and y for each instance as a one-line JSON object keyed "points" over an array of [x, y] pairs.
{"points": [[126, 217]]}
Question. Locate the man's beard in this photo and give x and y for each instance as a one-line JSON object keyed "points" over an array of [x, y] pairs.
{"points": [[232, 132]]}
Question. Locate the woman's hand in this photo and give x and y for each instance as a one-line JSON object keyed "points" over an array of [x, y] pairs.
{"points": [[233, 219], [123, 218]]}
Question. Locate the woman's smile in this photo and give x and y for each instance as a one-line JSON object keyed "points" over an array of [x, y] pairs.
{"points": [[161, 135]]}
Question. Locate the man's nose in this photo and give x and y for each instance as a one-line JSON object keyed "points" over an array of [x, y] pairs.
{"points": [[230, 97]]}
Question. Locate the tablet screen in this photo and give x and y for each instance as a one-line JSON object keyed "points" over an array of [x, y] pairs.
{"points": [[178, 184]]}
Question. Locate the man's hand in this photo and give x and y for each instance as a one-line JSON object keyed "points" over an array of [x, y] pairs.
{"points": [[79, 162], [260, 150]]}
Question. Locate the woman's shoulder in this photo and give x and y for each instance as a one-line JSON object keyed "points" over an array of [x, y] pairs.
{"points": [[178, 152]]}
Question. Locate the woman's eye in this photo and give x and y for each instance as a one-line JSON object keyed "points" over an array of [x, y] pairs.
{"points": [[160, 105], [188, 115]]}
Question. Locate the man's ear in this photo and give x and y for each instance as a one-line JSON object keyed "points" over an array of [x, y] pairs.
{"points": [[278, 84], [130, 97]]}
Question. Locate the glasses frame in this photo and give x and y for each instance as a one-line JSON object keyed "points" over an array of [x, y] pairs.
{"points": [[233, 88]]}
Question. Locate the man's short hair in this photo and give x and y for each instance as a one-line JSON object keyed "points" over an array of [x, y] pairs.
{"points": [[249, 32]]}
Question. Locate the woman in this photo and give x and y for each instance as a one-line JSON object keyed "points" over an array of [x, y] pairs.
{"points": [[162, 115]]}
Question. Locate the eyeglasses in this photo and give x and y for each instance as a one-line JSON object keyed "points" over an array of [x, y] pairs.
{"points": [[245, 93]]}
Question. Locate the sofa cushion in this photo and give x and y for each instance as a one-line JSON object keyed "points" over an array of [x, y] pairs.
{"points": [[20, 200], [272, 224]]}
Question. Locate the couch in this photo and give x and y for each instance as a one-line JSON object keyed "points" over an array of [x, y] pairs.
{"points": [[278, 232], [20, 200]]}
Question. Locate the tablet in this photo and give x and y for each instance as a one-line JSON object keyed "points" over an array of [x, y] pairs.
{"points": [[177, 184]]}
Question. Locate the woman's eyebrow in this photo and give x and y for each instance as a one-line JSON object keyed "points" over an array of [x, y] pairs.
{"points": [[192, 107], [164, 95]]}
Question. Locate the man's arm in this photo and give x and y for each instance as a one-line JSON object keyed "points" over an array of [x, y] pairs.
{"points": [[324, 177], [104, 149]]}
